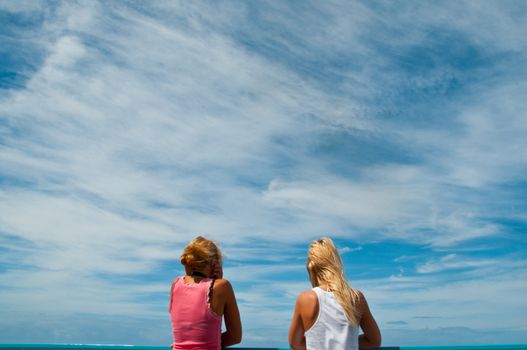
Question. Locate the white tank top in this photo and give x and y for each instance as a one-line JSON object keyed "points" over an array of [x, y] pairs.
{"points": [[331, 330]]}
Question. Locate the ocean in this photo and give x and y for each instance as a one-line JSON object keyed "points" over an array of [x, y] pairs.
{"points": [[139, 347]]}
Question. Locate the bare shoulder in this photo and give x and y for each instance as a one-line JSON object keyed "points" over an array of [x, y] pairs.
{"points": [[307, 297], [361, 295], [221, 282], [363, 304], [307, 301], [307, 308], [222, 285]]}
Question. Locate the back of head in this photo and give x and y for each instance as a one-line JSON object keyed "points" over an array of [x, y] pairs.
{"points": [[325, 266], [199, 253]]}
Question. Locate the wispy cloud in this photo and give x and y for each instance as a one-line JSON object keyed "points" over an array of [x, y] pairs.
{"points": [[452, 262], [345, 250]]}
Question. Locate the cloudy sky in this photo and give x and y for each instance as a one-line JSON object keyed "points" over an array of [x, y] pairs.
{"points": [[397, 128]]}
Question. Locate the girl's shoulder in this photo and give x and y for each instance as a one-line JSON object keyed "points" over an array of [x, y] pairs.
{"points": [[307, 300], [175, 280], [307, 307], [222, 288], [362, 304], [222, 283], [359, 294], [307, 296]]}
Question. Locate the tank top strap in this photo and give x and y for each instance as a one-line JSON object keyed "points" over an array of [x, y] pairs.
{"points": [[320, 295], [176, 281]]}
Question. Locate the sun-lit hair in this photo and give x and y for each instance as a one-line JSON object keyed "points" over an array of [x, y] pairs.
{"points": [[325, 266], [199, 253]]}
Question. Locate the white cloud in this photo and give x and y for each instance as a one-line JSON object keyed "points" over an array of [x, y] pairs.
{"points": [[448, 303], [451, 262], [345, 250]]}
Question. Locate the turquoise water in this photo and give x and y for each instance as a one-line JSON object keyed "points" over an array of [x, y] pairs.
{"points": [[137, 347]]}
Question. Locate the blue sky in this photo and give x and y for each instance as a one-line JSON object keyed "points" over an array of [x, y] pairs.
{"points": [[129, 127]]}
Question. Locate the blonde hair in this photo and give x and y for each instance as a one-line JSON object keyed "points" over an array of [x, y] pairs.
{"points": [[324, 265], [199, 253]]}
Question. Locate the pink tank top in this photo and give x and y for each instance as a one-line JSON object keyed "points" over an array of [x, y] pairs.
{"points": [[194, 324]]}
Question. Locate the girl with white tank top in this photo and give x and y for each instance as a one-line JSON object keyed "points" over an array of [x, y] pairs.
{"points": [[331, 329], [328, 317]]}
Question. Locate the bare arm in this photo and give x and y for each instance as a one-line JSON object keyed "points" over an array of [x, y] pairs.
{"points": [[304, 316], [372, 335], [231, 314], [297, 341]]}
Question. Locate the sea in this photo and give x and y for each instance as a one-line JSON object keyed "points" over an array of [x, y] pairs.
{"points": [[139, 347]]}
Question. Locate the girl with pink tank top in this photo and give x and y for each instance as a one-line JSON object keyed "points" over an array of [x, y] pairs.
{"points": [[199, 300], [194, 324]]}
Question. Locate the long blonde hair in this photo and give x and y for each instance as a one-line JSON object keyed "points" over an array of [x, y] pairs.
{"points": [[199, 253], [325, 266]]}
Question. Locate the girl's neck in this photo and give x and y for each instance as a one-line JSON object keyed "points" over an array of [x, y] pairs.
{"points": [[198, 274]]}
